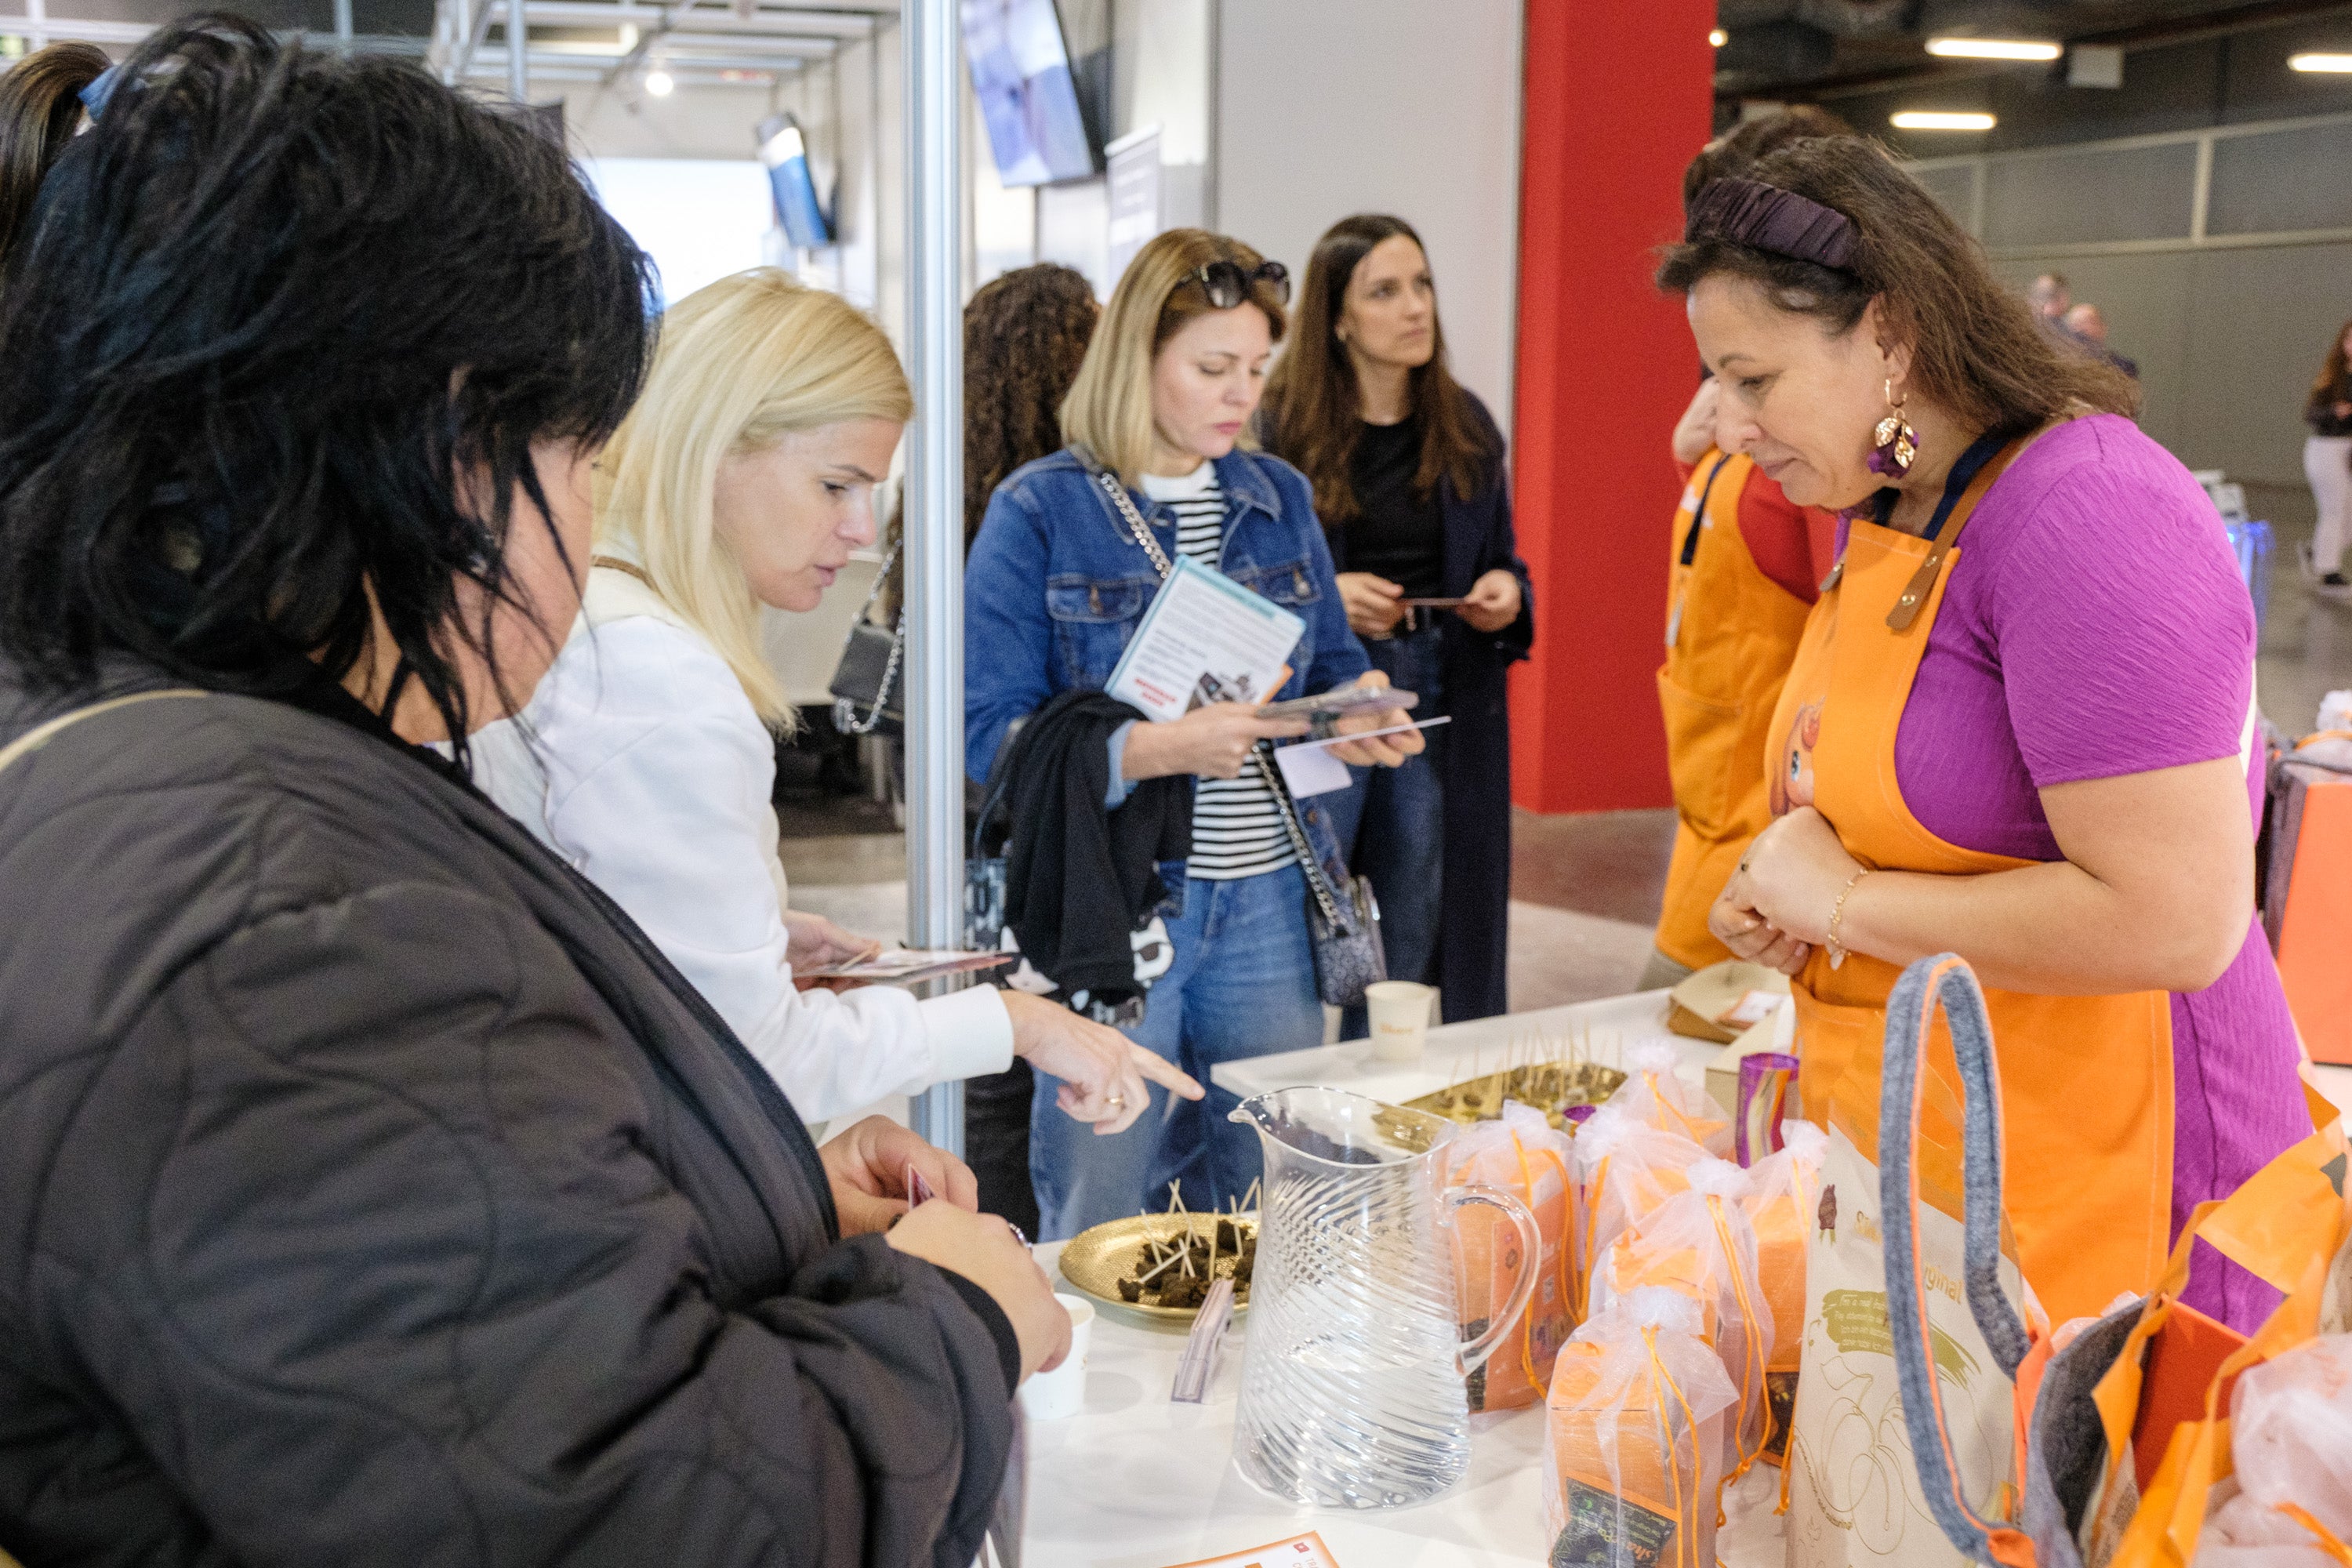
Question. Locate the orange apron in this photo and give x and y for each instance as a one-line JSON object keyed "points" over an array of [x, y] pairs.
{"points": [[1731, 632], [2087, 1081]]}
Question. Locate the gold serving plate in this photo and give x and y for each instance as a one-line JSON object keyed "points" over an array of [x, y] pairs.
{"points": [[1550, 1084], [1097, 1260]]}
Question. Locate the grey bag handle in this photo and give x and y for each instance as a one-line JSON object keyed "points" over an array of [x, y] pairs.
{"points": [[1944, 980]]}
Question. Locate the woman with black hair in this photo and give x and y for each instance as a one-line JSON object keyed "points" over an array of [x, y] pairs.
{"points": [[376, 1191], [1414, 496]]}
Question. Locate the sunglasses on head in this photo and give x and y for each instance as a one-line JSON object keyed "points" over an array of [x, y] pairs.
{"points": [[1228, 283]]}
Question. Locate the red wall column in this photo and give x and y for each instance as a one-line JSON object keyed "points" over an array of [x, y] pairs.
{"points": [[1618, 98]]}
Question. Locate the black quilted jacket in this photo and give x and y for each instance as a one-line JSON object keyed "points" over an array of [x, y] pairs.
{"points": [[372, 1192]]}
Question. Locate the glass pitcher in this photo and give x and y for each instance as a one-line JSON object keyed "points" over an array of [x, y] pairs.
{"points": [[1353, 1367]]}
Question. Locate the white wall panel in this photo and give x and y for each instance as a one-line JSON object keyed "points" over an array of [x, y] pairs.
{"points": [[1331, 107]]}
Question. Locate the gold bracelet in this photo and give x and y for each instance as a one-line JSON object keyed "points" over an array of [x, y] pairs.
{"points": [[1837, 913]]}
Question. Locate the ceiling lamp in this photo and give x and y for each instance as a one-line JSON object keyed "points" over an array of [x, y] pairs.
{"points": [[1937, 120], [2330, 63], [1717, 38], [1993, 49], [660, 83]]}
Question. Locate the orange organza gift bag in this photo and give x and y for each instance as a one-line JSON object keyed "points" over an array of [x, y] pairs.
{"points": [[1701, 1243], [1624, 1168], [1783, 1205], [1654, 1092], [1634, 1437], [1523, 1156]]}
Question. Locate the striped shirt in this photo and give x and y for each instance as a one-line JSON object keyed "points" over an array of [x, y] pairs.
{"points": [[1236, 829]]}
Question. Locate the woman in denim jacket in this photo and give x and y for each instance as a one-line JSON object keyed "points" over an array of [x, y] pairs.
{"points": [[1056, 584]]}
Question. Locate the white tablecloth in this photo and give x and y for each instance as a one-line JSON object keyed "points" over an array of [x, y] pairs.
{"points": [[1602, 1029], [1135, 1481]]}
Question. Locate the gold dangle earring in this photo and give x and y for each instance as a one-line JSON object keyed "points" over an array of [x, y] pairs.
{"points": [[1897, 444]]}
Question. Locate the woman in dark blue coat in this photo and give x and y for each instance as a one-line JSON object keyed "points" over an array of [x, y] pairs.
{"points": [[1411, 483]]}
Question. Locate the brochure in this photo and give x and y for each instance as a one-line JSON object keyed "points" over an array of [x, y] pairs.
{"points": [[1205, 638]]}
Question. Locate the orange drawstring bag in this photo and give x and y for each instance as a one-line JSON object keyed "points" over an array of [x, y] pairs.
{"points": [[1633, 1440], [1655, 1093], [1783, 1204], [1701, 1243], [1523, 1156]]}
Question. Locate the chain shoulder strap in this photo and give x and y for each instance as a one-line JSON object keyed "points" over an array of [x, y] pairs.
{"points": [[1325, 899], [1125, 503], [845, 716]]}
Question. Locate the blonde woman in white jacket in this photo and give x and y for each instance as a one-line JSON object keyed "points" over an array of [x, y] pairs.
{"points": [[745, 476]]}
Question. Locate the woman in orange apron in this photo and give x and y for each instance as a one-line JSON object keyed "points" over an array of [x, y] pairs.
{"points": [[2018, 725], [1746, 567]]}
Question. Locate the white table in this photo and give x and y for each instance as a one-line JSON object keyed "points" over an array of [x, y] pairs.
{"points": [[1135, 1481]]}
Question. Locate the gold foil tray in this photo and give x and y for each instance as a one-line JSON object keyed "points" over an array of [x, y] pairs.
{"points": [[1097, 1260]]}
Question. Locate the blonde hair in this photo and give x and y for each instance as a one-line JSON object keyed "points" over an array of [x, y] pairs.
{"points": [[741, 363], [1108, 409]]}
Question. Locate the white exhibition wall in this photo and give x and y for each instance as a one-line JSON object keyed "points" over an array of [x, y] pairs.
{"points": [[699, 219], [1394, 115], [1331, 107]]}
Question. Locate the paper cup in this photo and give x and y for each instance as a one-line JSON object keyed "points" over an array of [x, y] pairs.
{"points": [[1062, 1392], [1400, 1016]]}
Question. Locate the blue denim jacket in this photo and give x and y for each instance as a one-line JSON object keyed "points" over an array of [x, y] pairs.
{"points": [[1055, 585]]}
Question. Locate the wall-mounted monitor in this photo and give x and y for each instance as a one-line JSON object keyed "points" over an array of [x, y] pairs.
{"points": [[1020, 74], [785, 152]]}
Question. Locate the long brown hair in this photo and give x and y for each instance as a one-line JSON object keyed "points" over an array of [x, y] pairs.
{"points": [[1314, 408], [1024, 336], [1975, 348], [2334, 382], [40, 105]]}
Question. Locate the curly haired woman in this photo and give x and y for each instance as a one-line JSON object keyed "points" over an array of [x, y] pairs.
{"points": [[1024, 336]]}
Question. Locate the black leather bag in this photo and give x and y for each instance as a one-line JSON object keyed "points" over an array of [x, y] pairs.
{"points": [[867, 677]]}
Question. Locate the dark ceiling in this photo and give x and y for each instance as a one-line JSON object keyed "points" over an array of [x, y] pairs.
{"points": [[2187, 64], [1773, 44]]}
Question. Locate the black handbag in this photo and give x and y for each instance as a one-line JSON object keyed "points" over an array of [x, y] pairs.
{"points": [[1343, 925], [867, 675]]}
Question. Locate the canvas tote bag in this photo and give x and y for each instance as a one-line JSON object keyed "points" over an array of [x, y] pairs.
{"points": [[1857, 1497]]}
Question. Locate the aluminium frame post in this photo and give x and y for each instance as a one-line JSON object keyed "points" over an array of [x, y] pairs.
{"points": [[518, 53], [934, 552]]}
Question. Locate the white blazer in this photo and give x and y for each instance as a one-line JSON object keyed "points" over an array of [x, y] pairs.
{"points": [[640, 761]]}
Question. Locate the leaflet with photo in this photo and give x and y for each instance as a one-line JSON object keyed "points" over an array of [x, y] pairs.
{"points": [[1205, 638]]}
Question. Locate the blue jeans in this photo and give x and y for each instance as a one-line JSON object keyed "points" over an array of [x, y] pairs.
{"points": [[1397, 835], [1242, 984]]}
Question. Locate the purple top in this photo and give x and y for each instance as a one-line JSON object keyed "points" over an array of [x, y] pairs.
{"points": [[2096, 626]]}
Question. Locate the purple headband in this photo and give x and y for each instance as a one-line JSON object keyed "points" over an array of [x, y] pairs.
{"points": [[1766, 218]]}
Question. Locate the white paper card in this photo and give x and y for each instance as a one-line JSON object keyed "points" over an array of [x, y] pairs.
{"points": [[1310, 769], [1305, 1551], [1205, 638]]}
